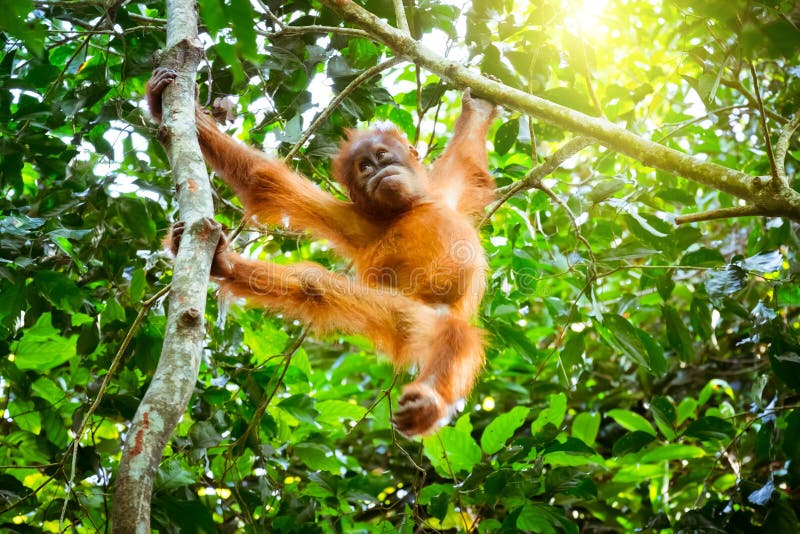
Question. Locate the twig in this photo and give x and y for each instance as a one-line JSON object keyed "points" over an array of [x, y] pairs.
{"points": [[764, 128], [147, 20], [782, 146], [721, 213], [736, 84], [400, 15], [736, 439], [384, 394], [301, 30], [272, 16], [73, 447], [681, 125], [457, 483], [573, 220], [323, 116], [259, 413], [534, 177], [589, 86]]}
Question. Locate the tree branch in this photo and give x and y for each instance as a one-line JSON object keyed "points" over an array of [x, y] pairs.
{"points": [[352, 86], [551, 163], [400, 15], [784, 202], [301, 30], [762, 119], [782, 146], [751, 100], [184, 338], [722, 213]]}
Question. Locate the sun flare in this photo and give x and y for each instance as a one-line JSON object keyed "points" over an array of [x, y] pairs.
{"points": [[586, 16]]}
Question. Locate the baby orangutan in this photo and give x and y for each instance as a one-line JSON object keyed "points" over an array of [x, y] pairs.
{"points": [[411, 236]]}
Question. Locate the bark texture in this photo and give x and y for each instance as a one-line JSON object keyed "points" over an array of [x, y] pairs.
{"points": [[169, 392]]}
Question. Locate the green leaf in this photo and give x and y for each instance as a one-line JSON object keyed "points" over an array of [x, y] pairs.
{"points": [[570, 481], [700, 317], [42, 347], [646, 232], [631, 421], [451, 448], [499, 431], [48, 390], [677, 334], [133, 212], [212, 13], [625, 338], [686, 409], [59, 289], [301, 407], [631, 442], [136, 289], [664, 414], [17, 23], [585, 426], [204, 435], [506, 136], [112, 312], [25, 415], [553, 414], [66, 246], [318, 457], [337, 411], [703, 257], [266, 342], [672, 451], [544, 519], [172, 475], [791, 437], [710, 428], [54, 428], [601, 190], [188, 516], [240, 17]]}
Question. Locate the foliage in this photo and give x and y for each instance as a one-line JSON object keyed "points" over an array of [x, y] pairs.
{"points": [[640, 375]]}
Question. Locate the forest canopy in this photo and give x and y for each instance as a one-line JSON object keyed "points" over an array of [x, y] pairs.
{"points": [[642, 312]]}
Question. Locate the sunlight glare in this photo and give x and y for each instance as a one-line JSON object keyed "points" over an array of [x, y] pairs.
{"points": [[585, 16]]}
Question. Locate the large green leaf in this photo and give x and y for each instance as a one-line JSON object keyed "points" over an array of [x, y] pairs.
{"points": [[42, 347], [502, 428]]}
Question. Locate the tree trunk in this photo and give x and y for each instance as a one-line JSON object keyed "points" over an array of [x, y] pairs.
{"points": [[169, 392]]}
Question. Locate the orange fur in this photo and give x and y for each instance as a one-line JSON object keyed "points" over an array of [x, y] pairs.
{"points": [[420, 270]]}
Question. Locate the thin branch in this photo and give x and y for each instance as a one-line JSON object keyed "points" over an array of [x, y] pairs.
{"points": [[352, 86], [534, 177], [736, 84], [73, 447], [456, 482], [681, 125], [384, 395], [301, 30], [262, 408], [764, 128], [589, 85], [272, 16], [573, 220], [400, 15], [31, 494], [147, 20], [782, 201], [782, 146], [721, 213]]}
